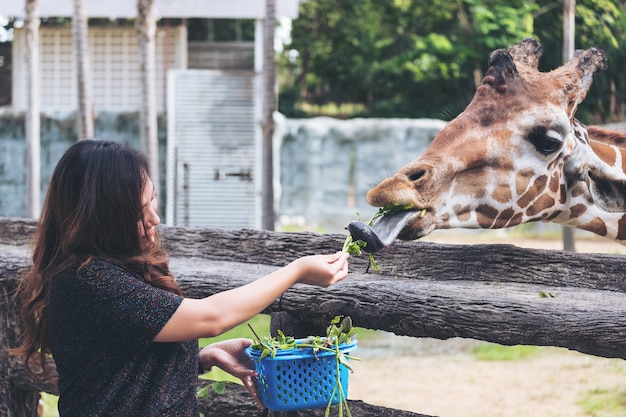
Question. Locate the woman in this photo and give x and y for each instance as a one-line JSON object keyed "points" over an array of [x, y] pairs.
{"points": [[101, 298]]}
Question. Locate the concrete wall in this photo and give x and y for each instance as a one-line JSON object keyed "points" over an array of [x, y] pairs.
{"points": [[323, 166], [328, 165], [56, 136]]}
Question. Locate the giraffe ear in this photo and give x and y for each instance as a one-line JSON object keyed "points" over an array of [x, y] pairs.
{"points": [[606, 184], [578, 75], [607, 193]]}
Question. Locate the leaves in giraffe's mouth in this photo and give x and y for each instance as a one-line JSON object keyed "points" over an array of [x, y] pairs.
{"points": [[382, 233]]}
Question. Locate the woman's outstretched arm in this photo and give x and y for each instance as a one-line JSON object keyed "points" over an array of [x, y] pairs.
{"points": [[220, 312]]}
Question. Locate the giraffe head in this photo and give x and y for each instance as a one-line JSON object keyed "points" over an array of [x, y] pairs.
{"points": [[516, 154]]}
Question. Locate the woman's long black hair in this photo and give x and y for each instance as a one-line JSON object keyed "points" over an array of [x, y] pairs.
{"points": [[93, 208]]}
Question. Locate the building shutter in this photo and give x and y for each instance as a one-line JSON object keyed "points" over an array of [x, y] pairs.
{"points": [[212, 149]]}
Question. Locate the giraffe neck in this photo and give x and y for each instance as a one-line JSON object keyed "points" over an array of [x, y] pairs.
{"points": [[609, 150], [610, 137]]}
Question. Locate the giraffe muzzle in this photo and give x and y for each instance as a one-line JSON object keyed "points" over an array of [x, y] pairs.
{"points": [[383, 233]]}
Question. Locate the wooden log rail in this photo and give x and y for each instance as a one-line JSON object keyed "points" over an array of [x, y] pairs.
{"points": [[485, 292]]}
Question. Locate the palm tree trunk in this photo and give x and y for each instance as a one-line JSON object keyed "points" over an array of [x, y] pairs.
{"points": [[569, 11], [269, 106], [33, 158], [146, 25], [84, 114]]}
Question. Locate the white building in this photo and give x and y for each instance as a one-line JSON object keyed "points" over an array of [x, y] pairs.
{"points": [[210, 91], [115, 50]]}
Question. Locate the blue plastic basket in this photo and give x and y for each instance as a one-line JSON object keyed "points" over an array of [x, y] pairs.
{"points": [[298, 379]]}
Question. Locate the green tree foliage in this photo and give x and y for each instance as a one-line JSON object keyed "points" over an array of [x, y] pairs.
{"points": [[423, 58]]}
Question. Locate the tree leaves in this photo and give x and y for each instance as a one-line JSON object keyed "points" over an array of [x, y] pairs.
{"points": [[423, 58]]}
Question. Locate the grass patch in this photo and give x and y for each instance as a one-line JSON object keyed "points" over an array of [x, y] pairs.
{"points": [[260, 323], [604, 403], [50, 405], [494, 352], [363, 334], [536, 231]]}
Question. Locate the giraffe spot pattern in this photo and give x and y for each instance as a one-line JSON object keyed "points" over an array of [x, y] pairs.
{"points": [[607, 154], [578, 190], [543, 203], [533, 191], [503, 218], [555, 183], [621, 228], [463, 213], [563, 194], [577, 210], [516, 220], [552, 165], [555, 214], [472, 184], [485, 215], [502, 193], [596, 225], [522, 179]]}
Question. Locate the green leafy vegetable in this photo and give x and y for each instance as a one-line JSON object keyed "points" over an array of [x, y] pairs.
{"points": [[219, 387], [546, 294], [340, 331], [355, 247]]}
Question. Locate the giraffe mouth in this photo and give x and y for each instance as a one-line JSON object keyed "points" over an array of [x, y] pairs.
{"points": [[383, 233]]}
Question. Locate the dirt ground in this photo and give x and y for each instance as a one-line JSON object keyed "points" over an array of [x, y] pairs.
{"points": [[443, 378]]}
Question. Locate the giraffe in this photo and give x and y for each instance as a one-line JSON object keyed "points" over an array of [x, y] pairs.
{"points": [[516, 154]]}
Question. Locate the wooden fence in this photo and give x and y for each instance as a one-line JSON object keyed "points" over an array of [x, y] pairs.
{"points": [[485, 292]]}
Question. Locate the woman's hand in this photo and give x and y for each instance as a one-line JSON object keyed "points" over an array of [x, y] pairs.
{"points": [[322, 270], [229, 355]]}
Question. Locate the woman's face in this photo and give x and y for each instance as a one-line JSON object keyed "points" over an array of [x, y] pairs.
{"points": [[149, 219]]}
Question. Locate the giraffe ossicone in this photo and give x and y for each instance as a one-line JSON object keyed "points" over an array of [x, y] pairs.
{"points": [[516, 154]]}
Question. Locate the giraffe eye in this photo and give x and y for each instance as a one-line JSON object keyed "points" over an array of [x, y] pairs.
{"points": [[546, 142]]}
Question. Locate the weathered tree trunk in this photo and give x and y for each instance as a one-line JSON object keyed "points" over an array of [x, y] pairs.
{"points": [[33, 157], [269, 105], [146, 25], [84, 113], [569, 32], [569, 21], [236, 402]]}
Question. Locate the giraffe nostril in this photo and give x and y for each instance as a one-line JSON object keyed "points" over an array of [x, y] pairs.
{"points": [[417, 174]]}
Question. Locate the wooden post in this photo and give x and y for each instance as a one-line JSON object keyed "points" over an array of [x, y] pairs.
{"points": [[15, 401]]}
